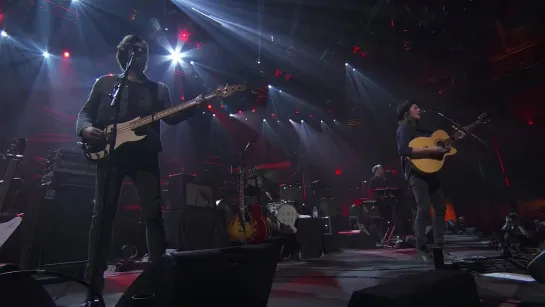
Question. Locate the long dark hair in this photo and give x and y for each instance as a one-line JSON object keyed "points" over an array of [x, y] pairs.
{"points": [[122, 54]]}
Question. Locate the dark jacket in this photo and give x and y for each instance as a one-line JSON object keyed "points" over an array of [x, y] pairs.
{"points": [[98, 112]]}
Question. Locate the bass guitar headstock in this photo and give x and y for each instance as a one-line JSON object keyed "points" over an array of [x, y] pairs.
{"points": [[228, 90], [17, 149]]}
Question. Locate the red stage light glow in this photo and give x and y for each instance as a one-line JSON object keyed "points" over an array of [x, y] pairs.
{"points": [[287, 76], [239, 111], [272, 115], [184, 35], [198, 45], [338, 172], [277, 73], [356, 49], [253, 110], [530, 122], [66, 54], [210, 106]]}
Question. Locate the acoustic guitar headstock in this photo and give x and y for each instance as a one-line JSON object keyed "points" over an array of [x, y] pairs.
{"points": [[483, 119]]}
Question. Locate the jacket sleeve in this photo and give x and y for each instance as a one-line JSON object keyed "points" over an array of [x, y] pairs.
{"points": [[404, 136], [88, 113], [167, 103]]}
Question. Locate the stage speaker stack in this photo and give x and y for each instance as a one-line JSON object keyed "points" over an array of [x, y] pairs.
{"points": [[238, 276], [427, 289]]}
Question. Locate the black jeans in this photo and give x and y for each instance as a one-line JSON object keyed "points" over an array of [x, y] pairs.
{"points": [[143, 169], [427, 192]]}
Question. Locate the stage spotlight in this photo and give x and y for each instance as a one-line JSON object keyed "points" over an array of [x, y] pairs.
{"points": [[175, 56], [231, 115], [345, 64], [264, 120], [214, 115], [277, 121], [302, 121], [46, 54], [290, 120], [334, 120], [210, 106], [191, 62], [4, 33], [280, 91], [245, 119], [270, 86], [66, 54], [203, 112], [321, 121], [353, 69]]}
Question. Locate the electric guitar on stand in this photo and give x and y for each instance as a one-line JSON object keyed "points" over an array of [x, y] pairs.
{"points": [[259, 222], [240, 227], [440, 138], [9, 221]]}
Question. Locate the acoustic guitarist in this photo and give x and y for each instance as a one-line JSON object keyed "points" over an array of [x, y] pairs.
{"points": [[425, 187]]}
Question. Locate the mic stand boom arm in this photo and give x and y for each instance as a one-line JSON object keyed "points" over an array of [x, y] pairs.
{"points": [[460, 127]]}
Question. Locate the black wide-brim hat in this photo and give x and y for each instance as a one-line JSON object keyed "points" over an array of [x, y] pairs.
{"points": [[403, 108]]}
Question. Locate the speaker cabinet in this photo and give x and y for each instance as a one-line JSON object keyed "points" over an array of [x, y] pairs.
{"points": [[426, 289], [21, 289], [61, 233], [237, 276]]}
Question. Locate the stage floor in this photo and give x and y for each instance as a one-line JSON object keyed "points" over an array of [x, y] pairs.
{"points": [[329, 281]]}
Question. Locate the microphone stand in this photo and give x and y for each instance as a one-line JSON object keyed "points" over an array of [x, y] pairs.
{"points": [[115, 104], [459, 127]]}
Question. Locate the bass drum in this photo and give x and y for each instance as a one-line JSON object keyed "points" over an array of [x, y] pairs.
{"points": [[286, 216]]}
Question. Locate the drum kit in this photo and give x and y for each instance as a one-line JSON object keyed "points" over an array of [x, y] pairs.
{"points": [[282, 216]]}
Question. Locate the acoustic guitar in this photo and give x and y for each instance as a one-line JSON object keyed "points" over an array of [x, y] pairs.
{"points": [[430, 165]]}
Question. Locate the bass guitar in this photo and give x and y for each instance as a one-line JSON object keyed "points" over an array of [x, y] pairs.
{"points": [[125, 132], [430, 165], [240, 228]]}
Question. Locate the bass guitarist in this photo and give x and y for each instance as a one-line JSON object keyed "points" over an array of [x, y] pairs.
{"points": [[425, 187], [138, 160]]}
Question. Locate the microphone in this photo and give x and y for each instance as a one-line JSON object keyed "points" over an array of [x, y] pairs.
{"points": [[428, 110]]}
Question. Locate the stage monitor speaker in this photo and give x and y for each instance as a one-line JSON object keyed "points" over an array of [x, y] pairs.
{"points": [[427, 289], [239, 276], [21, 289], [536, 268]]}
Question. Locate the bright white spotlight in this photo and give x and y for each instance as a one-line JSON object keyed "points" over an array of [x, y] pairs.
{"points": [[334, 120], [4, 33], [290, 119], [270, 86], [321, 121], [214, 115], [345, 64], [46, 54], [277, 121], [264, 120], [191, 62], [175, 56], [302, 121], [280, 91], [203, 112], [231, 115], [353, 69], [245, 119]]}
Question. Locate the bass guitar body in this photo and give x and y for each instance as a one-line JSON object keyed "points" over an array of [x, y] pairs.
{"points": [[240, 231], [260, 225], [431, 165]]}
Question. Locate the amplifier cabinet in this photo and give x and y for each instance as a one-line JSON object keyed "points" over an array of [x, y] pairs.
{"points": [[185, 190], [62, 225]]}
